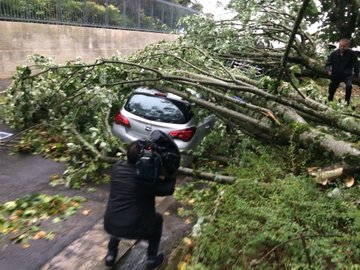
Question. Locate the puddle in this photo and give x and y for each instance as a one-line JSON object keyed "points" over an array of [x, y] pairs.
{"points": [[4, 135]]}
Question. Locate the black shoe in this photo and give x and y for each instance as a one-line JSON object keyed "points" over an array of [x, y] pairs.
{"points": [[154, 261], [110, 258]]}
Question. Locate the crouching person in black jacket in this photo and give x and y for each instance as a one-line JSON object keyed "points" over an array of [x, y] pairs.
{"points": [[130, 211]]}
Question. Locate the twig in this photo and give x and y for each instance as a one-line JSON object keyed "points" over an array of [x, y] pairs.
{"points": [[308, 258], [290, 43], [207, 176], [91, 148], [296, 89]]}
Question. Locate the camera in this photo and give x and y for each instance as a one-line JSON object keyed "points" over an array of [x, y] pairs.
{"points": [[157, 156]]}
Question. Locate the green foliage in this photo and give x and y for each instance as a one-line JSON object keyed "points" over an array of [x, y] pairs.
{"points": [[91, 12], [58, 106], [260, 220], [22, 218], [260, 28], [312, 89], [295, 70], [228, 142], [69, 109], [340, 20], [148, 22], [337, 19], [95, 12], [298, 156], [216, 37]]}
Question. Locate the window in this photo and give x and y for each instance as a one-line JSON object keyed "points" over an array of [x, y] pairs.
{"points": [[160, 109]]}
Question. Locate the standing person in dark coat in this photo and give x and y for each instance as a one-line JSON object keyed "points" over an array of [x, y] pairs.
{"points": [[341, 66], [131, 211]]}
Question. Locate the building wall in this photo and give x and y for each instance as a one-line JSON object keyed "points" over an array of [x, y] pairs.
{"points": [[62, 43]]}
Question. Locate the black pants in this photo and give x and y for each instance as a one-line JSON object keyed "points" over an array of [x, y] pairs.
{"points": [[334, 84], [152, 235]]}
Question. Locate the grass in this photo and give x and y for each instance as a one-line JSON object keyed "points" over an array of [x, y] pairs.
{"points": [[271, 219]]}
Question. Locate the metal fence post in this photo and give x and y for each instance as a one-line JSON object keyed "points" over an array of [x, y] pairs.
{"points": [[58, 11], [106, 12], [162, 15], [138, 13], [85, 18], [172, 24], [152, 9], [123, 19], [27, 10]]}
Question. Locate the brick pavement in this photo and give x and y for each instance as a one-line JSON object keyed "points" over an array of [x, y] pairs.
{"points": [[88, 251]]}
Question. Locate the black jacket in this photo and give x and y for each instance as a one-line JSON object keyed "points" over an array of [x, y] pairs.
{"points": [[343, 65], [132, 201]]}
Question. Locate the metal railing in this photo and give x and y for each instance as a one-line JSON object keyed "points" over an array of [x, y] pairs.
{"points": [[146, 15]]}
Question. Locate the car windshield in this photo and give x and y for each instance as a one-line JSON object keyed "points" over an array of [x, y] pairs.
{"points": [[157, 108]]}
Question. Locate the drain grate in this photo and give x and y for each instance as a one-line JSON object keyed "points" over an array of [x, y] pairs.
{"points": [[4, 135], [7, 140]]}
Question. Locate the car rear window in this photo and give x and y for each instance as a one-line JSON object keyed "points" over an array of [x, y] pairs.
{"points": [[160, 109]]}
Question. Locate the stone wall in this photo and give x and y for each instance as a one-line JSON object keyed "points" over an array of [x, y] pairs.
{"points": [[63, 42]]}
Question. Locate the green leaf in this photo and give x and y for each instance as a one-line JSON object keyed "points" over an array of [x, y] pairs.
{"points": [[11, 205], [50, 236], [29, 212], [57, 220]]}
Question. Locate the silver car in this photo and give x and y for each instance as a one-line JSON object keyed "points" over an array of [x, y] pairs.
{"points": [[149, 109]]}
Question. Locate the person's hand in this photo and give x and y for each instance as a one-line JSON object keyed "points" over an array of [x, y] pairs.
{"points": [[329, 72]]}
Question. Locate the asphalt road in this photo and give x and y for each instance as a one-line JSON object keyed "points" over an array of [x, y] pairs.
{"points": [[28, 174], [80, 242]]}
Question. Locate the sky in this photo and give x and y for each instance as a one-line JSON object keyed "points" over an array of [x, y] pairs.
{"points": [[215, 7]]}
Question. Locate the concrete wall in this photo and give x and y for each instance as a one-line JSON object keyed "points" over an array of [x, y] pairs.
{"points": [[61, 42]]}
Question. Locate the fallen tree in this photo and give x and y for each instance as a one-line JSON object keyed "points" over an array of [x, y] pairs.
{"points": [[61, 97], [259, 31], [78, 100]]}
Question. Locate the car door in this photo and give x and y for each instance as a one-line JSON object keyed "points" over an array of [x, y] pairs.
{"points": [[203, 129]]}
